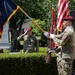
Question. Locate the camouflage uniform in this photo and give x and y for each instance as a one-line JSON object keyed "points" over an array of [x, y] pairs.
{"points": [[65, 57], [30, 43]]}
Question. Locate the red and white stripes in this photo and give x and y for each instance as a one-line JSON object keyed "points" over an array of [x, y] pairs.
{"points": [[62, 12]]}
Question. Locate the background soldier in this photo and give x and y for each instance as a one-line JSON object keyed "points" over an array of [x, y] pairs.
{"points": [[30, 41], [67, 42]]}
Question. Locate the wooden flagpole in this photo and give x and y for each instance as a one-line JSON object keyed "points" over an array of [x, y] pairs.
{"points": [[31, 19]]}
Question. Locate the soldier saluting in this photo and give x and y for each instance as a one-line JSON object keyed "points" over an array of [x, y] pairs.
{"points": [[31, 43], [67, 42]]}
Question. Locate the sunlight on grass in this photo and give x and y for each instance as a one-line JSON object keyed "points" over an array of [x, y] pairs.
{"points": [[7, 53]]}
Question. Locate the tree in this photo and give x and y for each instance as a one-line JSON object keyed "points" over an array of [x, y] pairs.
{"points": [[41, 9], [35, 29], [72, 4]]}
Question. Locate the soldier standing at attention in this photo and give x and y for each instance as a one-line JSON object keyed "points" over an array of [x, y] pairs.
{"points": [[31, 43], [67, 42]]}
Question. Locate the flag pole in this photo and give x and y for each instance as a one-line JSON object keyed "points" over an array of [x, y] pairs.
{"points": [[31, 19]]}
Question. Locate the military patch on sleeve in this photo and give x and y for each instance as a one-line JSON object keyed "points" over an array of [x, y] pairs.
{"points": [[64, 37]]}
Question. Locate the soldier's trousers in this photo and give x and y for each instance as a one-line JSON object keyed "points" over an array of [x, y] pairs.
{"points": [[64, 66]]}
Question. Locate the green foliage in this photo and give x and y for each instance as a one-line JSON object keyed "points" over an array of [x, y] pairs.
{"points": [[27, 64], [41, 23], [72, 4], [41, 9], [8, 54], [38, 9], [32, 7]]}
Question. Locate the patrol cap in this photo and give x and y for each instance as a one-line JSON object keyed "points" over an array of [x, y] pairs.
{"points": [[68, 18]]}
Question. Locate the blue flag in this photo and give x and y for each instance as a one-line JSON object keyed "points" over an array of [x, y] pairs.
{"points": [[7, 10]]}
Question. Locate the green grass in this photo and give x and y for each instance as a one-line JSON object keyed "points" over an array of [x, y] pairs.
{"points": [[41, 50], [6, 53]]}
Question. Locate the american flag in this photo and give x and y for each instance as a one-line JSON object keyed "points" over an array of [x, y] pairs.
{"points": [[62, 12]]}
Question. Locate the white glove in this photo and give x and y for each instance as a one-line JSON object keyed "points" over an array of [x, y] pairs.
{"points": [[25, 33], [46, 34], [21, 35], [52, 36]]}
